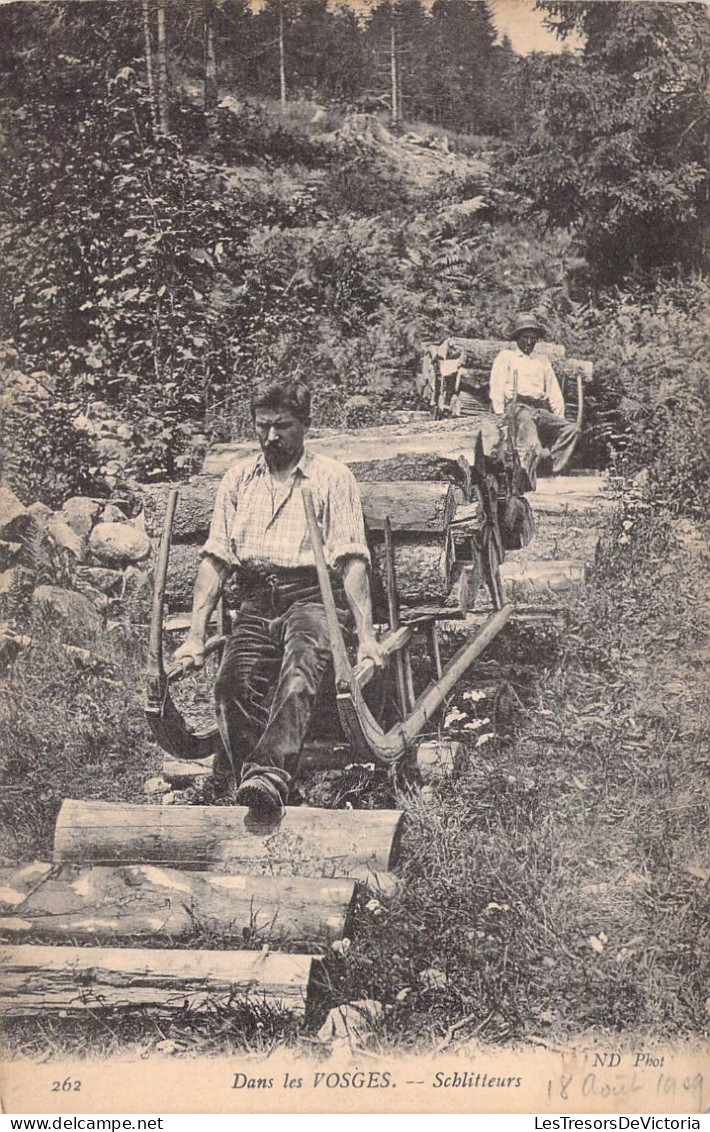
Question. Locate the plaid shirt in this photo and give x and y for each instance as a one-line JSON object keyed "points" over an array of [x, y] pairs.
{"points": [[259, 522]]}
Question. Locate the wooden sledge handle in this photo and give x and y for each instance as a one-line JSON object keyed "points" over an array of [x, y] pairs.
{"points": [[341, 663], [155, 669], [390, 643]]}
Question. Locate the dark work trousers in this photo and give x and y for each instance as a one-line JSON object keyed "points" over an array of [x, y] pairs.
{"points": [[271, 672], [539, 427]]}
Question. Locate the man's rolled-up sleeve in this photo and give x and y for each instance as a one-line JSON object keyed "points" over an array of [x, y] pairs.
{"points": [[343, 521], [219, 540]]}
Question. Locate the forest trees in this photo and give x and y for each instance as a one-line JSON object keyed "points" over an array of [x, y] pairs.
{"points": [[619, 138]]}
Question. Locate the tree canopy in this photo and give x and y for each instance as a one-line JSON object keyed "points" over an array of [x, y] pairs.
{"points": [[618, 137]]}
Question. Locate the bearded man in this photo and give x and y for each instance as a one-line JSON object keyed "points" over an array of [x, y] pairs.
{"points": [[278, 654]]}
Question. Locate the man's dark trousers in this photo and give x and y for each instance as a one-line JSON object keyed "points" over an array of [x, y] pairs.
{"points": [[553, 432], [271, 674]]}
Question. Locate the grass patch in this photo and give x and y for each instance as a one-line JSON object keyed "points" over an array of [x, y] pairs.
{"points": [[561, 882]]}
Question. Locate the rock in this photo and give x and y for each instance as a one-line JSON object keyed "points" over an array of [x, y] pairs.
{"points": [[98, 599], [40, 512], [112, 514], [100, 578], [156, 785], [353, 1024], [433, 979], [136, 585], [111, 449], [10, 645], [437, 758], [65, 538], [641, 480], [8, 553], [6, 582], [119, 544], [15, 519], [80, 514], [73, 612], [83, 424]]}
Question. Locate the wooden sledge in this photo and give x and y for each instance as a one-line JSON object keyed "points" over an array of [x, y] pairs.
{"points": [[370, 738]]}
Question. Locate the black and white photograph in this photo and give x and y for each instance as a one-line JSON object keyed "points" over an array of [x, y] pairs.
{"points": [[354, 559]]}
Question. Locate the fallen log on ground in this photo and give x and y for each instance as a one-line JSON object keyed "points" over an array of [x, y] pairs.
{"points": [[38, 979], [302, 842], [144, 900]]}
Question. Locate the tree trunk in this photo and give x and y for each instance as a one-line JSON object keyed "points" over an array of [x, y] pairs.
{"points": [[211, 94], [393, 72], [163, 114], [282, 57], [150, 82], [39, 979], [302, 842], [142, 900], [416, 467]]}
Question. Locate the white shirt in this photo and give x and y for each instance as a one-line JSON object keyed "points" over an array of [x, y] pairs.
{"points": [[536, 378]]}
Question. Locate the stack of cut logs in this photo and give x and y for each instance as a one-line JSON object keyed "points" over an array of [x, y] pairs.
{"points": [[418, 492], [124, 874]]}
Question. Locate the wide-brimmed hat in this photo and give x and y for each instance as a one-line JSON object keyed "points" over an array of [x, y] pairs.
{"points": [[528, 321]]}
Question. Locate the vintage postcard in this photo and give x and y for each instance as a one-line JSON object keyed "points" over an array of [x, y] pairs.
{"points": [[354, 605]]}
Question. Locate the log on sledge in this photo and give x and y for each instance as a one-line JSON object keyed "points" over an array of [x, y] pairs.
{"points": [[149, 901], [38, 979], [412, 508], [197, 496], [418, 467], [447, 438], [300, 842]]}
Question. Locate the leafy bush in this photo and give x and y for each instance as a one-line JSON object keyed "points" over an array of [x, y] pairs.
{"points": [[652, 360]]}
